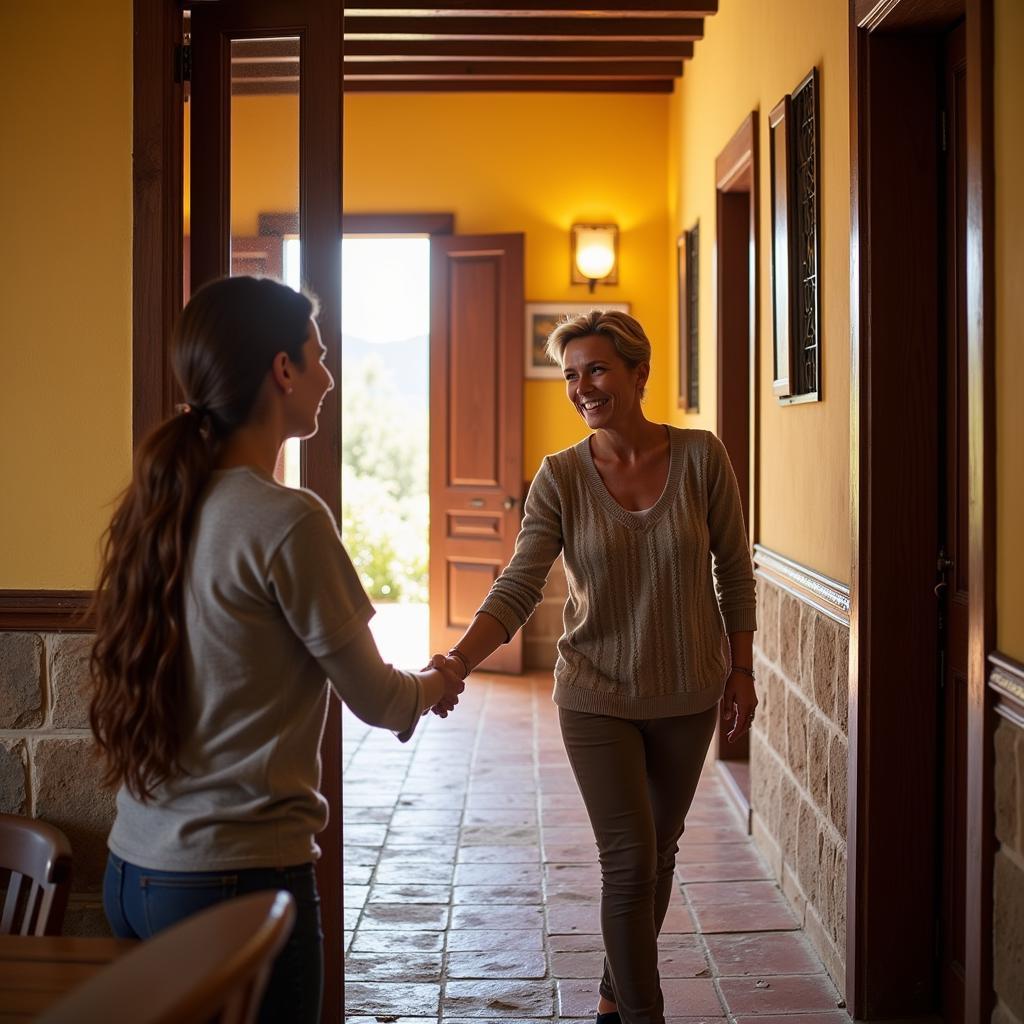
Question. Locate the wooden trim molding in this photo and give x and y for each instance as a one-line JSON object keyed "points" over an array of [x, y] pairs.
{"points": [[157, 173], [366, 223], [1006, 681], [826, 595], [45, 611], [979, 996]]}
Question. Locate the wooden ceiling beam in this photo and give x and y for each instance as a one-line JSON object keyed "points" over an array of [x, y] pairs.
{"points": [[449, 48], [542, 8], [652, 29], [656, 85], [653, 85], [462, 68]]}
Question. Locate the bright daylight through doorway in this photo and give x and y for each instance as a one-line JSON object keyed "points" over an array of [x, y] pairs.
{"points": [[385, 323]]}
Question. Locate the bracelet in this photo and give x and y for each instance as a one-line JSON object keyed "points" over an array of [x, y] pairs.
{"points": [[745, 671], [456, 653]]}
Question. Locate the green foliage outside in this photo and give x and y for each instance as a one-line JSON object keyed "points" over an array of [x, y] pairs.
{"points": [[385, 507]]}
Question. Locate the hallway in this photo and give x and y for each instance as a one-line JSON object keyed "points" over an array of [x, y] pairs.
{"points": [[472, 883]]}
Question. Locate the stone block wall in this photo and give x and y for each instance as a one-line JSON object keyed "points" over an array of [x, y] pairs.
{"points": [[1008, 881], [798, 763], [541, 633], [48, 767]]}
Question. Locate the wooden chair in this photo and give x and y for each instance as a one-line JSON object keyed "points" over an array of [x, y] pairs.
{"points": [[211, 966], [38, 857]]}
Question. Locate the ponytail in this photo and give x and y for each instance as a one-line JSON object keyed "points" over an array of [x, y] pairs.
{"points": [[229, 334], [140, 605]]}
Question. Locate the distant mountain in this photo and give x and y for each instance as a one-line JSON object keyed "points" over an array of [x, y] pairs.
{"points": [[407, 361]]}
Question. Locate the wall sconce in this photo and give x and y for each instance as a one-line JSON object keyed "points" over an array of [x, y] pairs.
{"points": [[595, 254]]}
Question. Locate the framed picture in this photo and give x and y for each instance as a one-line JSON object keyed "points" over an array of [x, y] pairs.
{"points": [[541, 320]]}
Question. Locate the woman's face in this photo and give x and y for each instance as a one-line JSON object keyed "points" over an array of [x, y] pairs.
{"points": [[312, 381], [603, 389]]}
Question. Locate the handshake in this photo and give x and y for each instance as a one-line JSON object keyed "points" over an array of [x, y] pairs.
{"points": [[444, 680]]}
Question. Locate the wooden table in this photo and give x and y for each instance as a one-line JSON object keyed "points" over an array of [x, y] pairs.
{"points": [[36, 971]]}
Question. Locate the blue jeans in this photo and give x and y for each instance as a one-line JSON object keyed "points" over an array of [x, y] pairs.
{"points": [[139, 903]]}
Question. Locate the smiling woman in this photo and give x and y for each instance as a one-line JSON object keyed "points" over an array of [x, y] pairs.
{"points": [[648, 520]]}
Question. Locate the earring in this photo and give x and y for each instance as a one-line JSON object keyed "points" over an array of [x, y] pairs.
{"points": [[290, 390]]}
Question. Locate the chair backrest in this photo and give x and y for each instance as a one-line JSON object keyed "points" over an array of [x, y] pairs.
{"points": [[38, 857], [213, 965]]}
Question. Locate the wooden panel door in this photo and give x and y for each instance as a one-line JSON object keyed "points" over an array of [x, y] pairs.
{"points": [[476, 428], [316, 27]]}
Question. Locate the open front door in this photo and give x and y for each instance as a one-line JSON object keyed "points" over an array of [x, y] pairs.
{"points": [[229, 39], [476, 428]]}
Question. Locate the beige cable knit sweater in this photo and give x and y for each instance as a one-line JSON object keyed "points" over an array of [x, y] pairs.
{"points": [[644, 617]]}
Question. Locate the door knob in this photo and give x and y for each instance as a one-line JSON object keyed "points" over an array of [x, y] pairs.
{"points": [[509, 503]]}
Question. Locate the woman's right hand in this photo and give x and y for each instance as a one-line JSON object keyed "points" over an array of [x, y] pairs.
{"points": [[442, 683]]}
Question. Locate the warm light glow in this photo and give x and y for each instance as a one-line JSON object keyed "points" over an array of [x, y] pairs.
{"points": [[594, 250]]}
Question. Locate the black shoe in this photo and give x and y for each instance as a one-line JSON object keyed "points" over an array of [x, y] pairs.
{"points": [[608, 1018]]}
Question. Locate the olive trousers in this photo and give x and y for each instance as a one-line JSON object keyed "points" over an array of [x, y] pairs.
{"points": [[637, 779]]}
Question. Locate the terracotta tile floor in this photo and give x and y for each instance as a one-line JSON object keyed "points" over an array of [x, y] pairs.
{"points": [[472, 884]]}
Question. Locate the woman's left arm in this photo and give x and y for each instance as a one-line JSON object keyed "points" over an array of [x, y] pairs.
{"points": [[734, 586], [734, 575]]}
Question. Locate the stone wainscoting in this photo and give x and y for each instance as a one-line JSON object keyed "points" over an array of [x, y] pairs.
{"points": [[1008, 909], [798, 763], [48, 767]]}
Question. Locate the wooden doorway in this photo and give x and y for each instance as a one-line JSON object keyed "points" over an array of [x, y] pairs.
{"points": [[921, 495], [476, 427], [736, 245], [158, 145]]}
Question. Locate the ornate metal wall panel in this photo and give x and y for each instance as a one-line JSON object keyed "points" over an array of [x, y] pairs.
{"points": [[805, 237]]}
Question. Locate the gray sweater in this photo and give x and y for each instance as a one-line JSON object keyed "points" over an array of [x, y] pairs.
{"points": [[644, 617], [273, 609]]}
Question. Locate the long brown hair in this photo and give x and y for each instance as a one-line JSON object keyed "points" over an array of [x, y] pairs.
{"points": [[224, 346]]}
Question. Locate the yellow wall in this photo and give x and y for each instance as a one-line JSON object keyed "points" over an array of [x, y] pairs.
{"points": [[752, 54], [65, 292], [500, 163], [533, 163], [1009, 253]]}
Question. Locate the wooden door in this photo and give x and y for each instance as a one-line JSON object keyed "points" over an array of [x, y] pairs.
{"points": [[313, 29], [952, 565], [476, 428]]}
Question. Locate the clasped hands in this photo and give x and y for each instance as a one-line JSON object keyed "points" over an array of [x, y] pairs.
{"points": [[452, 671]]}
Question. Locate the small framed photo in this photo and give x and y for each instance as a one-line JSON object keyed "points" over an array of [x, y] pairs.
{"points": [[541, 320]]}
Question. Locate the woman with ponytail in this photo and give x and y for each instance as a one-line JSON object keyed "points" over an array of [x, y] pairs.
{"points": [[225, 603]]}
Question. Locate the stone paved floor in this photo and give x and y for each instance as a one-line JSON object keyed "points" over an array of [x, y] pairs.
{"points": [[471, 883]]}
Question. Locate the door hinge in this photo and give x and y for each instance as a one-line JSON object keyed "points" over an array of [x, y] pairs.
{"points": [[943, 135], [183, 63]]}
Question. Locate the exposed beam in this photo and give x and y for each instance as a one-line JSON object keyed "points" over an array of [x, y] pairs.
{"points": [[640, 85], [502, 8], [448, 48], [658, 85], [526, 28], [445, 49], [464, 69]]}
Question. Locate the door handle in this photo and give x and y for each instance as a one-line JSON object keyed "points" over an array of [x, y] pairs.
{"points": [[509, 503], [476, 502]]}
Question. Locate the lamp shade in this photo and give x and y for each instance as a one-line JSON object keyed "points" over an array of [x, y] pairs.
{"points": [[594, 251]]}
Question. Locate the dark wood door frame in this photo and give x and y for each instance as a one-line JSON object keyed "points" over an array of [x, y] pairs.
{"points": [[157, 278], [736, 196], [891, 851]]}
